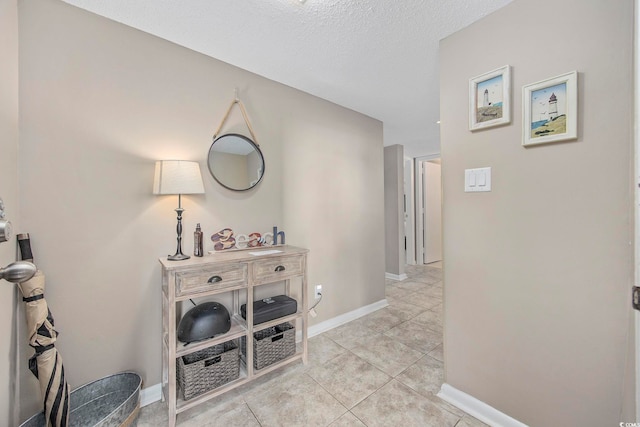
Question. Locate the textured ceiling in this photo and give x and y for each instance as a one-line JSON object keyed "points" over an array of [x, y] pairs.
{"points": [[378, 57]]}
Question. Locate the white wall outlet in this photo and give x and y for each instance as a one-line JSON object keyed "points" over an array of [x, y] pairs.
{"points": [[318, 291]]}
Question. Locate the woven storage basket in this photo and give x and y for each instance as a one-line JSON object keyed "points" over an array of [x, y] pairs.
{"points": [[207, 369], [272, 344]]}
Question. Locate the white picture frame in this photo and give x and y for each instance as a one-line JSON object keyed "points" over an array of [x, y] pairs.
{"points": [[550, 110], [490, 99]]}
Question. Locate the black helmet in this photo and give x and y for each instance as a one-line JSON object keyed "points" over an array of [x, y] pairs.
{"points": [[204, 321]]}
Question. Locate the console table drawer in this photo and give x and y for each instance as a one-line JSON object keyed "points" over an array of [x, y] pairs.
{"points": [[210, 278], [276, 269]]}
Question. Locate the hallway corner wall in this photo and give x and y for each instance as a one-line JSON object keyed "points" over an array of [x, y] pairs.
{"points": [[395, 258], [538, 271]]}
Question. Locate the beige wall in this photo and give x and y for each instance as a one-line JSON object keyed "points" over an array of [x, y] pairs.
{"points": [[332, 178], [395, 257], [8, 192], [99, 103], [538, 271]]}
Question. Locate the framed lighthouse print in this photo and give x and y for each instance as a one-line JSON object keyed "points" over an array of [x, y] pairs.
{"points": [[489, 99], [550, 110]]}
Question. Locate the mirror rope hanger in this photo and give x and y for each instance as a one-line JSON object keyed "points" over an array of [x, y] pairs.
{"points": [[244, 116]]}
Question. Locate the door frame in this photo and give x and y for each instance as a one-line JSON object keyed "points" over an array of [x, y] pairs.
{"points": [[409, 211], [419, 205]]}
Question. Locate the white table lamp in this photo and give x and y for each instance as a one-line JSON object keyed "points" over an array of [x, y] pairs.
{"points": [[178, 177]]}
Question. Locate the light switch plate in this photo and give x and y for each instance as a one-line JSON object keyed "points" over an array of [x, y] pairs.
{"points": [[477, 180]]}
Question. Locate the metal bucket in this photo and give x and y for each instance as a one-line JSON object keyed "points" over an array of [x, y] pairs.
{"points": [[112, 401]]}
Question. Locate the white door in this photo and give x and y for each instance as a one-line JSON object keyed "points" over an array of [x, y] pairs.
{"points": [[432, 212], [409, 233]]}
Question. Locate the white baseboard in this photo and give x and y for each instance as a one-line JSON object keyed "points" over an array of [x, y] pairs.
{"points": [[150, 394], [476, 408], [153, 393], [345, 318], [397, 277]]}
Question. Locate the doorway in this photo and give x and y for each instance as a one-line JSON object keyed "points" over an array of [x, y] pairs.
{"points": [[428, 178], [409, 217]]}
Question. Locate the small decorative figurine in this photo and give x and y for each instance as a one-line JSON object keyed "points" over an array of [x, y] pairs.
{"points": [[223, 239]]}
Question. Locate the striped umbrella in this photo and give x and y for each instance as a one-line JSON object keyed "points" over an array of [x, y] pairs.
{"points": [[46, 363]]}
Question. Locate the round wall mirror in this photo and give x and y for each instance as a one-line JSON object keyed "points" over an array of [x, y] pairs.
{"points": [[236, 162]]}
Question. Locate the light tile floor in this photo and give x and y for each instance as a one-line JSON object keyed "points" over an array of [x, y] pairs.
{"points": [[383, 369]]}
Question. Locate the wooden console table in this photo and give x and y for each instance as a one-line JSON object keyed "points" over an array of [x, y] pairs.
{"points": [[235, 274]]}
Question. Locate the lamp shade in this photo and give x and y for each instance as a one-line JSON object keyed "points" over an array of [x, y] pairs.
{"points": [[177, 177]]}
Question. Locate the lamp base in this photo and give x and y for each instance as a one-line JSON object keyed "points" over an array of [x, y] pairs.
{"points": [[177, 257]]}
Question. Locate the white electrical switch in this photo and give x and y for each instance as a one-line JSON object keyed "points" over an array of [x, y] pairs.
{"points": [[482, 179], [478, 179]]}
